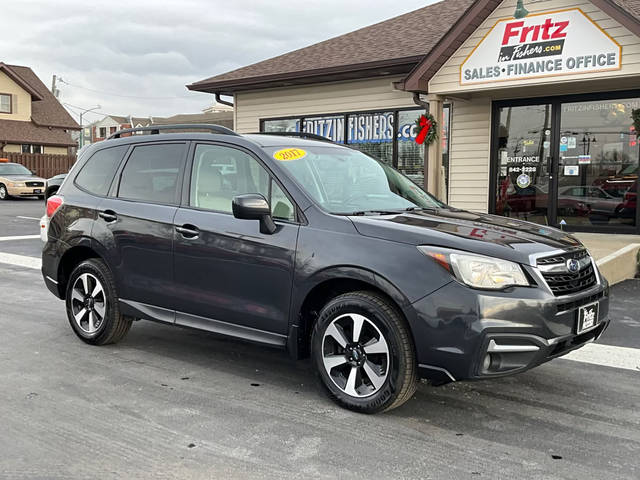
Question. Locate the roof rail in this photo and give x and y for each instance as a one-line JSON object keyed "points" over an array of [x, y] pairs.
{"points": [[310, 136], [155, 129]]}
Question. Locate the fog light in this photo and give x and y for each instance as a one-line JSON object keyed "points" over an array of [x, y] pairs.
{"points": [[487, 363]]}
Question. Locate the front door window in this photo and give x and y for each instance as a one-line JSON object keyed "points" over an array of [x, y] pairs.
{"points": [[598, 163]]}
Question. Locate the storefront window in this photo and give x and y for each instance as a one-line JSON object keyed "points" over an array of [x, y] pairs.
{"points": [[598, 167], [288, 125], [410, 154], [372, 133], [331, 127]]}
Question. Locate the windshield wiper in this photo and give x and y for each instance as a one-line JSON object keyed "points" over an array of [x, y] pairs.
{"points": [[421, 209], [362, 213]]}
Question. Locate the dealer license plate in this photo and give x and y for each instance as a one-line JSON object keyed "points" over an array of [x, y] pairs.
{"points": [[37, 190], [588, 317]]}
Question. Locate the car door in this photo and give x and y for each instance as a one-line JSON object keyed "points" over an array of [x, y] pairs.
{"points": [[226, 270], [136, 225]]}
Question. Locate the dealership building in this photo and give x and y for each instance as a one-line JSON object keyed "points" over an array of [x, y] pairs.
{"points": [[535, 102]]}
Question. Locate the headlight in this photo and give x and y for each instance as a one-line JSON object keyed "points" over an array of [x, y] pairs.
{"points": [[17, 184], [478, 271]]}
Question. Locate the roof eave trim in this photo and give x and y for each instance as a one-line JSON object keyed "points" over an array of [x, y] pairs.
{"points": [[19, 80], [229, 86]]}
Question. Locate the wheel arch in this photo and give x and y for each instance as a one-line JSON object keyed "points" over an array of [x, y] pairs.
{"points": [[326, 285], [81, 251]]}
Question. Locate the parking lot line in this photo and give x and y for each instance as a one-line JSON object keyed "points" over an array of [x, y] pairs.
{"points": [[19, 237], [608, 356], [21, 260], [27, 218]]}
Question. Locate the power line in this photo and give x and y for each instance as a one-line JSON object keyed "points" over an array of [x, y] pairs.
{"points": [[120, 95]]}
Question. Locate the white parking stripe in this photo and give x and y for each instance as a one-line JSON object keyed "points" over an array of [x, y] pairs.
{"points": [[19, 237], [608, 356], [21, 260], [27, 218]]}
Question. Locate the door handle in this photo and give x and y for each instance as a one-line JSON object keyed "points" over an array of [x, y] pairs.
{"points": [[108, 216], [188, 231]]}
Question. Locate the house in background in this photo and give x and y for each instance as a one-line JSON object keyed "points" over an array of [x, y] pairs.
{"points": [[31, 118], [217, 114]]}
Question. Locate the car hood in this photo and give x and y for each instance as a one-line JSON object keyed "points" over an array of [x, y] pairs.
{"points": [[500, 237], [22, 178]]}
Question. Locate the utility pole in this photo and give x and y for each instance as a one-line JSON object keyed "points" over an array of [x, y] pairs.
{"points": [[54, 89]]}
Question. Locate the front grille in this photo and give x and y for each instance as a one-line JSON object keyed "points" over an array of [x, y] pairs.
{"points": [[579, 255], [35, 184], [564, 282]]}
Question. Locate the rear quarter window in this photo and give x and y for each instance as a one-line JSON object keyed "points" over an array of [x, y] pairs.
{"points": [[97, 174]]}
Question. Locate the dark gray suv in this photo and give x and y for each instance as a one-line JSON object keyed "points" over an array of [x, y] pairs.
{"points": [[317, 249]]}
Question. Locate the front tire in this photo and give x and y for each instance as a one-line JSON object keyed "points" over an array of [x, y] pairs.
{"points": [[363, 352], [4, 193], [92, 305]]}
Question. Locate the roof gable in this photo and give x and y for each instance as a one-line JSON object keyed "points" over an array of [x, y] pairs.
{"points": [[626, 12], [45, 108]]}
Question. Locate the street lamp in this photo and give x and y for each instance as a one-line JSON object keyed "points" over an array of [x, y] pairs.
{"points": [[97, 107]]}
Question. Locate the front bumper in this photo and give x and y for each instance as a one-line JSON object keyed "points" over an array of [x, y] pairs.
{"points": [[25, 191], [456, 327]]}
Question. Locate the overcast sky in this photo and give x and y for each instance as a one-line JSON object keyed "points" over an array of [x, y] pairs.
{"points": [[135, 57]]}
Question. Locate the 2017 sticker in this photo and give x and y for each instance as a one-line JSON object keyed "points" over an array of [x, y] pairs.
{"points": [[289, 154]]}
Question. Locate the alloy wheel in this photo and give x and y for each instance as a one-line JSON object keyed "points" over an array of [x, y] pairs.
{"points": [[355, 355], [3, 192], [88, 303]]}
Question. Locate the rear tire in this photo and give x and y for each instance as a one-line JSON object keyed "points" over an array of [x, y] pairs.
{"points": [[92, 304], [362, 350], [4, 193]]}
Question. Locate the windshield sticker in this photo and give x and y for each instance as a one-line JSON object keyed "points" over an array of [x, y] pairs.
{"points": [[289, 154]]}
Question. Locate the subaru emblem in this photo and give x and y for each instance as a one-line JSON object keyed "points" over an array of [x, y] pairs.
{"points": [[573, 265]]}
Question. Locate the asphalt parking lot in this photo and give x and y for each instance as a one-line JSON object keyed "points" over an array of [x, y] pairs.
{"points": [[174, 403]]}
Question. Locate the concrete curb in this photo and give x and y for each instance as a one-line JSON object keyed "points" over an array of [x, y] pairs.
{"points": [[620, 265]]}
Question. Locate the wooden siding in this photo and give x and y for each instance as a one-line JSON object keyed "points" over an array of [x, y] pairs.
{"points": [[447, 80], [45, 166], [373, 94], [469, 155]]}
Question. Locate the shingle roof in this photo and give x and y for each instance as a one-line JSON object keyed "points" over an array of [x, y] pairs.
{"points": [[48, 111], [397, 45], [224, 119], [406, 38], [15, 131]]}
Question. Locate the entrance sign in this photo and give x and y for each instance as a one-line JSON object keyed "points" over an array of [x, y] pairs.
{"points": [[562, 42]]}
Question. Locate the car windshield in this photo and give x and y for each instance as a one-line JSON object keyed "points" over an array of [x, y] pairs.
{"points": [[13, 169], [345, 181]]}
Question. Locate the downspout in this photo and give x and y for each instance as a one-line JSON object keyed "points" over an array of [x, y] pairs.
{"points": [[223, 102]]}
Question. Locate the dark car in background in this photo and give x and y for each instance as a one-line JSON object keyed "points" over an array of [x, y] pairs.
{"points": [[318, 249], [53, 184]]}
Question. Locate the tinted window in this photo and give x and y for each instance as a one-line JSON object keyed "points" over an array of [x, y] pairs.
{"points": [[220, 173], [151, 173], [96, 175]]}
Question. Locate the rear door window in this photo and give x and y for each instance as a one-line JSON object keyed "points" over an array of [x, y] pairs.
{"points": [[152, 173], [97, 174]]}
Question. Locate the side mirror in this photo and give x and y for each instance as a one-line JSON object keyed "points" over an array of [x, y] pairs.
{"points": [[254, 206]]}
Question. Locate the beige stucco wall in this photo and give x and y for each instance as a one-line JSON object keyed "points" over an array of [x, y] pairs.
{"points": [[339, 97], [20, 100], [55, 150], [12, 148], [471, 119]]}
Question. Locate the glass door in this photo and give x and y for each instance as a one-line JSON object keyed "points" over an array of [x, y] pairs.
{"points": [[598, 164], [523, 161]]}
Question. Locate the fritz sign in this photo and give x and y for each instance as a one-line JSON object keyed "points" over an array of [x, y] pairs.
{"points": [[541, 45]]}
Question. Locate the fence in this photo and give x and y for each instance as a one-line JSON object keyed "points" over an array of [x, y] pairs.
{"points": [[45, 165]]}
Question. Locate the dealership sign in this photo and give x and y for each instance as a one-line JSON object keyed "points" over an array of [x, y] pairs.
{"points": [[540, 45]]}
